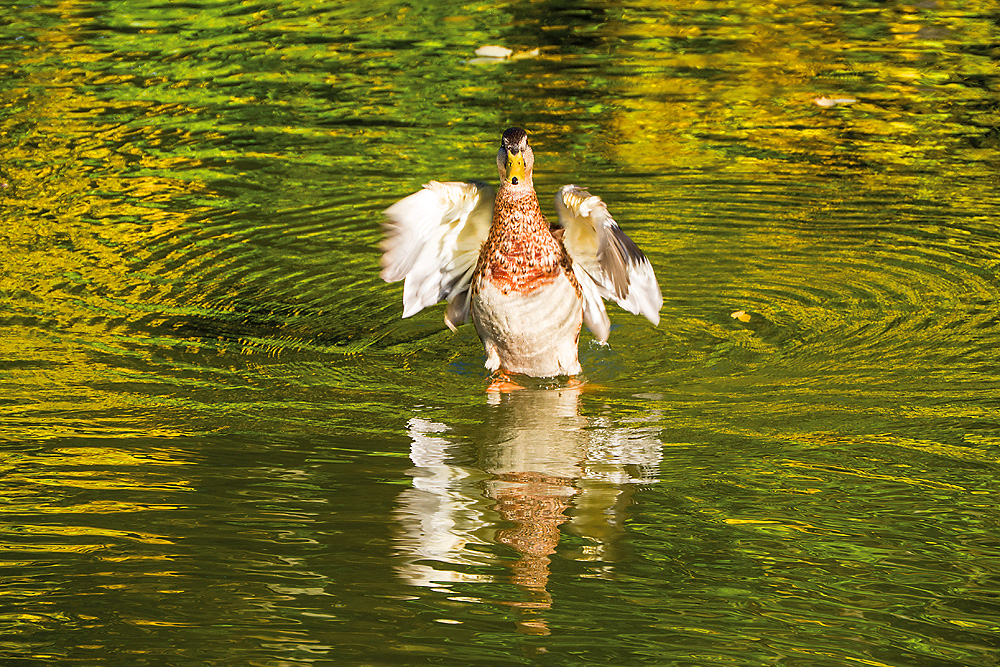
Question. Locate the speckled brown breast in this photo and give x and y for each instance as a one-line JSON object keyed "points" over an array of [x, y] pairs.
{"points": [[521, 254]]}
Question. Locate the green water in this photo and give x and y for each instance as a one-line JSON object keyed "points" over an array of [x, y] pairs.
{"points": [[221, 445]]}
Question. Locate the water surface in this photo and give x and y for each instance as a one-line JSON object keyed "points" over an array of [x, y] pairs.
{"points": [[222, 446]]}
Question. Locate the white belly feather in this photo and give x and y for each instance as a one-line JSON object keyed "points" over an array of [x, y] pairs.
{"points": [[535, 334]]}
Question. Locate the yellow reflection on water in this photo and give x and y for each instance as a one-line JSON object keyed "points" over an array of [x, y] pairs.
{"points": [[56, 531], [57, 484], [84, 197], [738, 83]]}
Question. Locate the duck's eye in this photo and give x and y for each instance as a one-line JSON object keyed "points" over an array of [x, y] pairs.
{"points": [[513, 180]]}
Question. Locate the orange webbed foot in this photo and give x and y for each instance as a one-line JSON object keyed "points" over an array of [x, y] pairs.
{"points": [[502, 384]]}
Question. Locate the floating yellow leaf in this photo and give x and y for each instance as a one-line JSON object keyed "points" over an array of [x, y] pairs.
{"points": [[741, 315], [533, 53]]}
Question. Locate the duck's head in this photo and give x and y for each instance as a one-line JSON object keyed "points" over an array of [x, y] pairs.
{"points": [[515, 159]]}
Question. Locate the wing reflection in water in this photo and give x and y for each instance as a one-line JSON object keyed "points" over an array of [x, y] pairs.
{"points": [[532, 469]]}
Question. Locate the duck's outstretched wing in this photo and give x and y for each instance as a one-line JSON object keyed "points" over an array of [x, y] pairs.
{"points": [[432, 243], [607, 263]]}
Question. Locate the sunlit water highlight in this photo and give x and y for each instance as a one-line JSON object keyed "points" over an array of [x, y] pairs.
{"points": [[223, 446]]}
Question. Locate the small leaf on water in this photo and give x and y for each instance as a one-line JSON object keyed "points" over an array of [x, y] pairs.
{"points": [[833, 101], [741, 315], [493, 51]]}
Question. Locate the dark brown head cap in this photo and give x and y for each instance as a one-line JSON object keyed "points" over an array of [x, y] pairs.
{"points": [[514, 139]]}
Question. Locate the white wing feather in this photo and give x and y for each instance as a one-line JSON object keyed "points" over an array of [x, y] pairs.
{"points": [[432, 243], [606, 261]]}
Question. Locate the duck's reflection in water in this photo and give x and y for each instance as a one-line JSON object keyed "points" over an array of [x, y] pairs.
{"points": [[529, 470]]}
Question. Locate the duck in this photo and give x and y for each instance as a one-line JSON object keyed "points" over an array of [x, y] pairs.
{"points": [[527, 285]]}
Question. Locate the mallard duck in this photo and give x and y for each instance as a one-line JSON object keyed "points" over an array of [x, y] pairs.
{"points": [[527, 285]]}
